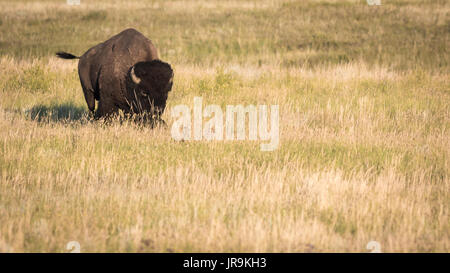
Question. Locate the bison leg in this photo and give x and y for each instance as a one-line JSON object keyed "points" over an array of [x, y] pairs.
{"points": [[106, 107], [88, 90], [90, 100]]}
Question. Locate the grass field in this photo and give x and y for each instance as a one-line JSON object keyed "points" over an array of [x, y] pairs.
{"points": [[364, 97]]}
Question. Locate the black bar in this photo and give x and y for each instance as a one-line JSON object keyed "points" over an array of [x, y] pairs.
{"points": [[225, 262]]}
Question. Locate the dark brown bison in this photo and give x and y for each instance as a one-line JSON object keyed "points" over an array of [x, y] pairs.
{"points": [[124, 73]]}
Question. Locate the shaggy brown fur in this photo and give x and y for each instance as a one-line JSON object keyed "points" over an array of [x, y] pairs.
{"points": [[105, 75]]}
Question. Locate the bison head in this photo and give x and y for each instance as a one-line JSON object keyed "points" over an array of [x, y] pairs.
{"points": [[152, 83]]}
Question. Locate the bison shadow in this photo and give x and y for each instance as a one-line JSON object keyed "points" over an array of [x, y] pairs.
{"points": [[58, 113], [68, 112]]}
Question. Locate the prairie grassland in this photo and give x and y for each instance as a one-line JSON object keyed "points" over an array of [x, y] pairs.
{"points": [[364, 97]]}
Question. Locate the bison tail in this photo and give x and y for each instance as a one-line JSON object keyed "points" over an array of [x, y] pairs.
{"points": [[65, 55]]}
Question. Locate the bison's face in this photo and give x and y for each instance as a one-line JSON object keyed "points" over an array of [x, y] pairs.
{"points": [[153, 79], [152, 83]]}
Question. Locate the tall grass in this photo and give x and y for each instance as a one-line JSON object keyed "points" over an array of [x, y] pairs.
{"points": [[364, 97]]}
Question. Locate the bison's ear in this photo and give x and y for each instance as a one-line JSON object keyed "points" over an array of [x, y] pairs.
{"points": [[135, 78]]}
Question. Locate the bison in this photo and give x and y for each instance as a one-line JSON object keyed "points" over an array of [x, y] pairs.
{"points": [[124, 73]]}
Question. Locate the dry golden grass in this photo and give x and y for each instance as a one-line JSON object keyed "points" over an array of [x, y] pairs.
{"points": [[364, 148]]}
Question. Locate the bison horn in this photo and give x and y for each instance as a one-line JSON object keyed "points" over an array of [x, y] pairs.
{"points": [[135, 78]]}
